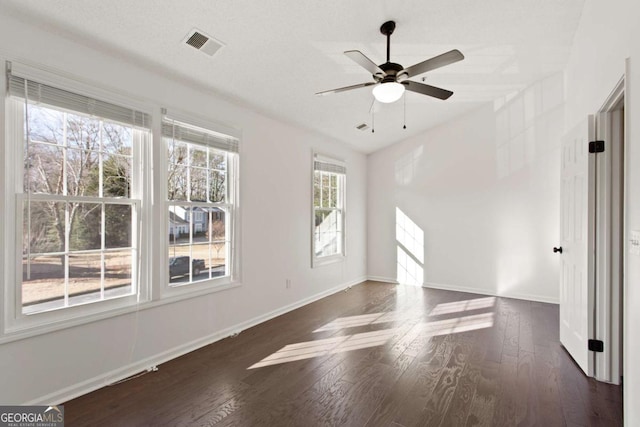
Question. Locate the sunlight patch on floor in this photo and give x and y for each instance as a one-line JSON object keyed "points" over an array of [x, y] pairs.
{"points": [[362, 320], [458, 306], [459, 324], [322, 347]]}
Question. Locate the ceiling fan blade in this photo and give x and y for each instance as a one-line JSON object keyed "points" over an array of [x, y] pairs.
{"points": [[424, 89], [364, 62], [436, 62], [342, 89]]}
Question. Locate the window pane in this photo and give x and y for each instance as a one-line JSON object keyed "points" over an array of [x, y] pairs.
{"points": [[317, 175], [179, 266], [198, 185], [218, 243], [217, 186], [201, 261], [178, 224], [198, 156], [42, 279], [218, 227], [217, 160], [326, 190], [117, 274], [176, 152], [44, 231], [83, 173], [327, 233], [118, 220], [116, 178], [83, 132], [46, 125], [116, 139], [43, 169], [86, 226], [218, 264], [177, 182], [84, 278]]}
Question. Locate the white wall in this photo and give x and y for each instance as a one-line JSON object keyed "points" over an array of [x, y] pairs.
{"points": [[484, 189], [275, 224], [607, 35]]}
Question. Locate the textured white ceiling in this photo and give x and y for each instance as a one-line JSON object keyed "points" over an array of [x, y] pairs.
{"points": [[279, 53]]}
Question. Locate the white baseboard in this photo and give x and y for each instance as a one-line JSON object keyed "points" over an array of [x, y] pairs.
{"points": [[383, 279], [515, 295], [119, 374]]}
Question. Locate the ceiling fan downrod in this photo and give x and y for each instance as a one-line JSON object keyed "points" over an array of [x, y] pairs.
{"points": [[387, 29]]}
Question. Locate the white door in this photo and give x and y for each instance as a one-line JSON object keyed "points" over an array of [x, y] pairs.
{"points": [[577, 244]]}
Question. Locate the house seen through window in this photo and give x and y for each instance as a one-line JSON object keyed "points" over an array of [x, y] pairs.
{"points": [[201, 167]]}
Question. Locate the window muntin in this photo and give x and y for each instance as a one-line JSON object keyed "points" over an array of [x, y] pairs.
{"points": [[328, 210], [200, 198], [79, 239]]}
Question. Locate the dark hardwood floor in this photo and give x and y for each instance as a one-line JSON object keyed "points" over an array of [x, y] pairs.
{"points": [[376, 355]]}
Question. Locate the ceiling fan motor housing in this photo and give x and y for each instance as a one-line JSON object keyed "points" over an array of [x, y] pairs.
{"points": [[393, 73]]}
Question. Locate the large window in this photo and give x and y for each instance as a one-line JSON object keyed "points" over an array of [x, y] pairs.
{"points": [[78, 196], [201, 202], [328, 209]]}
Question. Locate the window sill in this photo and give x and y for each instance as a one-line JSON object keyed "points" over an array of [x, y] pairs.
{"points": [[21, 330]]}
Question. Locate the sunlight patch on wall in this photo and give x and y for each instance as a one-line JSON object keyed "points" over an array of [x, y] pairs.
{"points": [[410, 250], [409, 272], [410, 236]]}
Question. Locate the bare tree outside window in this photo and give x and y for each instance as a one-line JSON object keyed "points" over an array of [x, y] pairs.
{"points": [[77, 219]]}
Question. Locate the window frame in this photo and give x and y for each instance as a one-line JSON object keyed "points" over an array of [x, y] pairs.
{"points": [[317, 261], [213, 284], [15, 322]]}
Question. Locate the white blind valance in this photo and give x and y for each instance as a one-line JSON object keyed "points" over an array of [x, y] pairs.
{"points": [[329, 165], [186, 133], [41, 93]]}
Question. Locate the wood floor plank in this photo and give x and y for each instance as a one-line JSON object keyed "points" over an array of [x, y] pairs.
{"points": [[439, 401], [376, 355], [482, 409]]}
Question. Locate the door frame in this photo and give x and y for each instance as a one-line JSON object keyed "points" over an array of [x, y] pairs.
{"points": [[610, 230]]}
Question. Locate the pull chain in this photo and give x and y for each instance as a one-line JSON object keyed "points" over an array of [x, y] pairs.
{"points": [[373, 120], [404, 101]]}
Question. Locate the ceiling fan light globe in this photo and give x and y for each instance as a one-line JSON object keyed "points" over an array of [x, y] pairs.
{"points": [[388, 92]]}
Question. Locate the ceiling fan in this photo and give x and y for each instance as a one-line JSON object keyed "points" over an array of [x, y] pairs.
{"points": [[390, 79]]}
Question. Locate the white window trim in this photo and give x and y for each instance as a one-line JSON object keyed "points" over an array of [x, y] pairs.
{"points": [[17, 325], [331, 259], [215, 284]]}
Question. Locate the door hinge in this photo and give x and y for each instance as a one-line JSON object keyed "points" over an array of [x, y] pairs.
{"points": [[596, 146], [596, 345]]}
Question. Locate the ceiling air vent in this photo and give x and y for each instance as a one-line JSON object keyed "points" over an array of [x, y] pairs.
{"points": [[363, 126], [203, 42]]}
